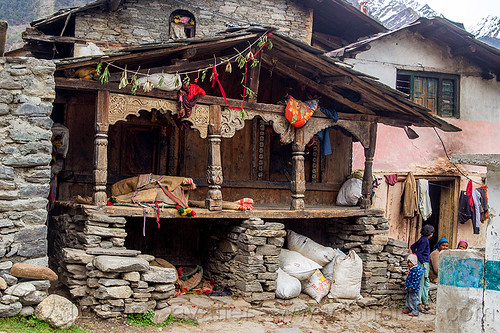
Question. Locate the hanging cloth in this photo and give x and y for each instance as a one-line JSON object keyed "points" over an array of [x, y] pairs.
{"points": [[324, 137], [476, 212], [298, 112], [468, 191], [391, 179], [410, 204], [424, 200], [484, 202], [464, 208]]}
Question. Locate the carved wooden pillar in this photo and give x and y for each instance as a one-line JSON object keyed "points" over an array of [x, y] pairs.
{"points": [[101, 148], [214, 172], [298, 185], [368, 175]]}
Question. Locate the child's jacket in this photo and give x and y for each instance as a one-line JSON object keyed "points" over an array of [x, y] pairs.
{"points": [[413, 278]]}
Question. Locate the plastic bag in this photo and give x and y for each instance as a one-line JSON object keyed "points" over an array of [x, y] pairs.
{"points": [[327, 270], [170, 82], [317, 286], [296, 265], [287, 286], [350, 192], [347, 275], [318, 253]]}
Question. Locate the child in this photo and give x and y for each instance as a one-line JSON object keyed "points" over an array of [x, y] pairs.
{"points": [[412, 286], [422, 250], [462, 245]]}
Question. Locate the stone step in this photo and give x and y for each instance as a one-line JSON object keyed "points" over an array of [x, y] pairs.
{"points": [[113, 252]]}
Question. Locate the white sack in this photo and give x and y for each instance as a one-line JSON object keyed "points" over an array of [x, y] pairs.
{"points": [[327, 270], [347, 275], [170, 82], [317, 286], [318, 253], [287, 286], [297, 265], [350, 192]]}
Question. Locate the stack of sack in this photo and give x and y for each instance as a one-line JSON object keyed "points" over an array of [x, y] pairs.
{"points": [[317, 271]]}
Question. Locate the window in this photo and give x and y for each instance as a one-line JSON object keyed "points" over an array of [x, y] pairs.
{"points": [[437, 92], [182, 24]]}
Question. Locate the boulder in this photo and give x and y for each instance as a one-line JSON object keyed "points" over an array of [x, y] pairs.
{"points": [[161, 315], [58, 311], [33, 272], [160, 275], [114, 264], [10, 310], [27, 311], [22, 289]]}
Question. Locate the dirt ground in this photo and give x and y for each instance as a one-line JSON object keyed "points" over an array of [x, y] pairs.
{"points": [[235, 315]]}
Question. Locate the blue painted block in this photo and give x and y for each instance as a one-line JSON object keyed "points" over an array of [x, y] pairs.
{"points": [[461, 272], [492, 275]]}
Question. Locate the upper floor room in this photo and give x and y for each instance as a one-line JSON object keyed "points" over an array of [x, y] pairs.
{"points": [[120, 23]]}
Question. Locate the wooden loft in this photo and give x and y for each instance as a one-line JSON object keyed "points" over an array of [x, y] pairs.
{"points": [[214, 121]]}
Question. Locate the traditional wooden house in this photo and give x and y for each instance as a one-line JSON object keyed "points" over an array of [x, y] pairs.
{"points": [[236, 144]]}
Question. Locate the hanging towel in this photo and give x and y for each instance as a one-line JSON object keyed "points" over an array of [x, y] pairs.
{"points": [[324, 137], [424, 200], [330, 113], [391, 179], [484, 203], [410, 204], [476, 213]]}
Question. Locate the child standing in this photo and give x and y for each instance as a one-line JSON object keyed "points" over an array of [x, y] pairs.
{"points": [[422, 250], [412, 285]]}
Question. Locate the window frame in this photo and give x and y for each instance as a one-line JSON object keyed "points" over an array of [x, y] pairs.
{"points": [[440, 77]]}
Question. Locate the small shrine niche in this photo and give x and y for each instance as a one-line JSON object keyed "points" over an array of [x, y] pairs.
{"points": [[182, 24]]}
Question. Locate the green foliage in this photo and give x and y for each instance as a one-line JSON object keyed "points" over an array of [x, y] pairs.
{"points": [[249, 92], [186, 79], [134, 83], [203, 75], [160, 81], [262, 41], [241, 60], [104, 77], [98, 69], [254, 63], [269, 44], [242, 114], [146, 319], [32, 324]]}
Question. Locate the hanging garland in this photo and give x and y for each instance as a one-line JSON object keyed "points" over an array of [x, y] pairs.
{"points": [[242, 59]]}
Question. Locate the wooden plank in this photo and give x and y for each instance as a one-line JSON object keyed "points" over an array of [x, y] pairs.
{"points": [[322, 89], [70, 40]]}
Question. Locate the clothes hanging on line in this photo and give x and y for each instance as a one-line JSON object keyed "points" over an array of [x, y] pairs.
{"points": [[473, 205], [424, 199], [324, 137], [410, 204]]}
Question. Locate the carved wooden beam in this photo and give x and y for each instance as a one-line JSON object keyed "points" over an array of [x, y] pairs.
{"points": [[298, 184], [368, 174], [101, 148], [215, 178]]}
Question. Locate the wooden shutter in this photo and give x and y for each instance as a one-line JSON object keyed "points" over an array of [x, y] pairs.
{"points": [[447, 107], [425, 92]]}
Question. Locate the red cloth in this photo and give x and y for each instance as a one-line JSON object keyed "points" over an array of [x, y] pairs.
{"points": [[391, 179], [195, 90], [468, 191]]}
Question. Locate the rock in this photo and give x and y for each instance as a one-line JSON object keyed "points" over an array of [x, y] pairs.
{"points": [[34, 297], [34, 272], [330, 308], [186, 312], [105, 232], [80, 291], [268, 250], [132, 276], [9, 299], [228, 246], [266, 233], [139, 307], [113, 252], [161, 315], [11, 280], [27, 311], [57, 311], [201, 301], [113, 282], [76, 269], [3, 284], [120, 264], [43, 261], [22, 289], [113, 292], [164, 288], [75, 256], [160, 275], [5, 265], [10, 310], [146, 257], [41, 284]]}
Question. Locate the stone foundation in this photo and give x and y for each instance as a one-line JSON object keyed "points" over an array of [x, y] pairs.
{"points": [[27, 90]]}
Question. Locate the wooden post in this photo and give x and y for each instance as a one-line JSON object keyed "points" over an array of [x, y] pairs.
{"points": [[368, 174], [214, 172], [253, 79], [3, 36], [101, 148], [298, 185]]}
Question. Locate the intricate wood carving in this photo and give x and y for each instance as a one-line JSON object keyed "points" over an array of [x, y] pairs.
{"points": [[262, 137], [298, 184], [215, 178], [315, 125], [314, 167], [231, 122], [360, 130], [280, 124], [122, 106], [101, 149], [368, 175]]}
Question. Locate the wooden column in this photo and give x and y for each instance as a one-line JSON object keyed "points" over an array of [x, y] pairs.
{"points": [[253, 79], [368, 174], [214, 172], [298, 185], [101, 148]]}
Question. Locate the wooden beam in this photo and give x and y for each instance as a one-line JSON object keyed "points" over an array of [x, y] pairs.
{"points": [[368, 172], [253, 79], [70, 40], [321, 89], [337, 80], [101, 148], [215, 177]]}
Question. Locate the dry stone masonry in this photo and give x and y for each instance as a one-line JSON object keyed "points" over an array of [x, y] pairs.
{"points": [[27, 90], [144, 21]]}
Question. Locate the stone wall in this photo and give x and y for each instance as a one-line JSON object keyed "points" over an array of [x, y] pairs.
{"points": [[146, 21], [27, 90], [384, 258]]}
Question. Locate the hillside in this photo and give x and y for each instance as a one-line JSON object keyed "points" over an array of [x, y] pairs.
{"points": [[19, 13]]}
